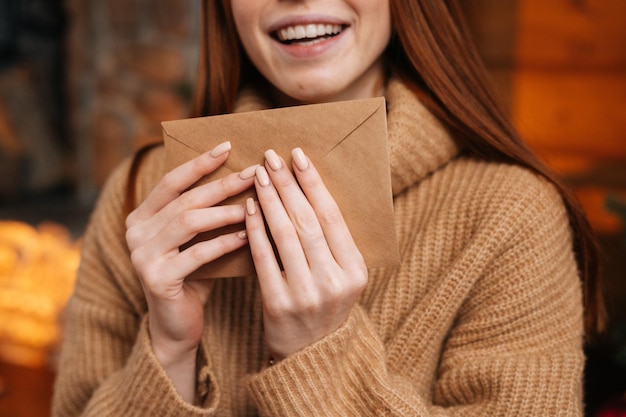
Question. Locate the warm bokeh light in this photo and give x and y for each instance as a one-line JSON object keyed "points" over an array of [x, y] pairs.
{"points": [[37, 273]]}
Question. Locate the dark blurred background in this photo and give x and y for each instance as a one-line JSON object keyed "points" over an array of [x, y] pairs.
{"points": [[83, 83]]}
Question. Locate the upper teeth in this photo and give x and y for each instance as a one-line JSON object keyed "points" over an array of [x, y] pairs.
{"points": [[307, 31]]}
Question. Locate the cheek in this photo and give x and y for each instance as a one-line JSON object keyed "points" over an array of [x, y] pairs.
{"points": [[247, 18], [244, 17], [383, 20], [376, 14]]}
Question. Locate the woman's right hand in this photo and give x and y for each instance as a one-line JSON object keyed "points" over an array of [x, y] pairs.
{"points": [[170, 217]]}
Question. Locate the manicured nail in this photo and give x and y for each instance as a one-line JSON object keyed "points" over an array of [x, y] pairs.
{"points": [[220, 149], [250, 207], [273, 160], [262, 177], [299, 159], [242, 235], [248, 173]]}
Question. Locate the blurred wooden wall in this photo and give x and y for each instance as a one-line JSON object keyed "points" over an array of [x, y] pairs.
{"points": [[569, 102], [559, 67], [569, 95]]}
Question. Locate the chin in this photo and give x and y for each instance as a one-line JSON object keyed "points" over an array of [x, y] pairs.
{"points": [[283, 98], [308, 88], [312, 95], [315, 98]]}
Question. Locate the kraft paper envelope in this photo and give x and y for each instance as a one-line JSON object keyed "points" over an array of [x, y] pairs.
{"points": [[347, 142]]}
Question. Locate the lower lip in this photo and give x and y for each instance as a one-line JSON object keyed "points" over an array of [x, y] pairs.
{"points": [[310, 51]]}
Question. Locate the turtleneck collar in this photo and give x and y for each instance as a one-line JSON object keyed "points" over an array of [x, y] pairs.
{"points": [[418, 142]]}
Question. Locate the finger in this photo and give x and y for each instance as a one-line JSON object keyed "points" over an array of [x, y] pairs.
{"points": [[203, 196], [214, 192], [267, 267], [280, 226], [201, 253], [300, 211], [327, 211], [210, 194], [179, 179], [186, 226]]}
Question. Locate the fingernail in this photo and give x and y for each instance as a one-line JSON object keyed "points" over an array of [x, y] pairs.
{"points": [[220, 149], [248, 173], [273, 160], [242, 235], [250, 207], [262, 177], [299, 159]]}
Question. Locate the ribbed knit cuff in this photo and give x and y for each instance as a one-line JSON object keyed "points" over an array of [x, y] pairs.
{"points": [[143, 388], [335, 376]]}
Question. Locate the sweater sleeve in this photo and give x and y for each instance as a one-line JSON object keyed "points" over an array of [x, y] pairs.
{"points": [[513, 345], [106, 366]]}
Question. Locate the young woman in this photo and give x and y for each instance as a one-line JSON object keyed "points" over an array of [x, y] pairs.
{"points": [[484, 317]]}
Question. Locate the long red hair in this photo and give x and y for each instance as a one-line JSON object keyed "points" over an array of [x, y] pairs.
{"points": [[431, 49]]}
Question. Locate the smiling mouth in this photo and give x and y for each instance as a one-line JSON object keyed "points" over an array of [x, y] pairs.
{"points": [[307, 34]]}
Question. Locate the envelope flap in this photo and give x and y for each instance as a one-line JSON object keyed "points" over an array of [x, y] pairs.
{"points": [[329, 123]]}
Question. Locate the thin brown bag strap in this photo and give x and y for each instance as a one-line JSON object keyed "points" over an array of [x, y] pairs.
{"points": [[130, 200]]}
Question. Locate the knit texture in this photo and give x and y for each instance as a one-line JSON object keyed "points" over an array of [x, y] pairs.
{"points": [[482, 318]]}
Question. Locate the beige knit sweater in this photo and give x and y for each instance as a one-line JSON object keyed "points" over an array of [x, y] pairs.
{"points": [[482, 318]]}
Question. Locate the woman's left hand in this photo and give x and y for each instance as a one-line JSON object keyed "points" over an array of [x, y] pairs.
{"points": [[323, 270]]}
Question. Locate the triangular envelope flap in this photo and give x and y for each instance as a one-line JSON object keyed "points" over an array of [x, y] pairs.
{"points": [[366, 204], [327, 123]]}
